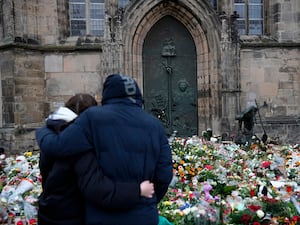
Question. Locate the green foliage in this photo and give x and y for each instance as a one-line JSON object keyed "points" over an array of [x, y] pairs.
{"points": [[223, 190]]}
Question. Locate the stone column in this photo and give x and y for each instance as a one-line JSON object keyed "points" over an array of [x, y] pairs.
{"points": [[230, 72], [112, 57]]}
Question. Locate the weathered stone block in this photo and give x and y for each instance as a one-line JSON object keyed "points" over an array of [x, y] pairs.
{"points": [[53, 63], [81, 63]]}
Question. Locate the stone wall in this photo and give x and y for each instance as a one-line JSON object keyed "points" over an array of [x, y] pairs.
{"points": [[71, 73], [271, 75], [35, 83], [284, 20], [23, 105]]}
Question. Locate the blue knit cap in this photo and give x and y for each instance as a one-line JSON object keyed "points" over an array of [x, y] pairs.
{"points": [[121, 86]]}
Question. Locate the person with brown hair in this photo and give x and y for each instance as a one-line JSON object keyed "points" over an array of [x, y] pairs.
{"points": [[68, 182]]}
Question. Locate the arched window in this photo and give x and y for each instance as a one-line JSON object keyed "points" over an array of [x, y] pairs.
{"points": [[86, 17], [250, 21]]}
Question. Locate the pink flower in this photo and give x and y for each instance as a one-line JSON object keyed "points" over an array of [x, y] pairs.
{"points": [[209, 167], [265, 164]]}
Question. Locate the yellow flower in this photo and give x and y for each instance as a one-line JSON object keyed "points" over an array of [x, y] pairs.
{"points": [[28, 154], [167, 203]]}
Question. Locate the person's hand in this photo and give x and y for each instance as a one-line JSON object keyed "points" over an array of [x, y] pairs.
{"points": [[147, 189]]}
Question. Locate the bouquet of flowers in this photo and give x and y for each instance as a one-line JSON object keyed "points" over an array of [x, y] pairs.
{"points": [[20, 188]]}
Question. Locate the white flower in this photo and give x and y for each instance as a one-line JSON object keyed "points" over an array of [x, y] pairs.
{"points": [[251, 174], [186, 211], [213, 183], [194, 209], [260, 213], [235, 193]]}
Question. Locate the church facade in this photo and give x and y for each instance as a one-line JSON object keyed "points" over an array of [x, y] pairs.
{"points": [[199, 63]]}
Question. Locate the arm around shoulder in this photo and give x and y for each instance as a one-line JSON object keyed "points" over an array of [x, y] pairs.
{"points": [[70, 141]]}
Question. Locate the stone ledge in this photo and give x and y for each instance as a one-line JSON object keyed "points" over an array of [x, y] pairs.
{"points": [[52, 48], [269, 45], [283, 120]]}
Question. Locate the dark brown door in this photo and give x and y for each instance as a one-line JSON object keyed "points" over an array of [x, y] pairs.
{"points": [[170, 81]]}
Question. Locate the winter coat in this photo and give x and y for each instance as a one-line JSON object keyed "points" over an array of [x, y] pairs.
{"points": [[68, 181], [130, 144]]}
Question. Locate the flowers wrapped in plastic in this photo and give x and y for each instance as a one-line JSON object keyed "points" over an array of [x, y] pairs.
{"points": [[21, 186], [206, 214]]}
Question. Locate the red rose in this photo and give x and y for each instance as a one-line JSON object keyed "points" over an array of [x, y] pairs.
{"points": [[246, 218], [20, 222], [265, 164], [254, 208], [296, 218], [289, 189], [32, 221]]}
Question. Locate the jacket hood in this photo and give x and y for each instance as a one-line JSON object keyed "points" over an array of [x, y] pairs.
{"points": [[62, 113], [60, 119], [121, 86]]}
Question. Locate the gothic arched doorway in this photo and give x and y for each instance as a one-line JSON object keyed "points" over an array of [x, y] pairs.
{"points": [[170, 76]]}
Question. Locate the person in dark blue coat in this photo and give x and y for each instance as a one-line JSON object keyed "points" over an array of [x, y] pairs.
{"points": [[68, 182], [131, 146]]}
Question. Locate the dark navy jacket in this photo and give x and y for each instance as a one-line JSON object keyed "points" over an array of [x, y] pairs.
{"points": [[130, 144], [68, 181]]}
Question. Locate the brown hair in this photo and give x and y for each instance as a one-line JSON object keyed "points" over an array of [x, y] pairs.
{"points": [[80, 102]]}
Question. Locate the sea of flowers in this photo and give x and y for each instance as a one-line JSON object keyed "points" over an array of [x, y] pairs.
{"points": [[225, 183], [214, 182]]}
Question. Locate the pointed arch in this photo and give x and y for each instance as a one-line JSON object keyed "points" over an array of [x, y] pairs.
{"points": [[203, 24]]}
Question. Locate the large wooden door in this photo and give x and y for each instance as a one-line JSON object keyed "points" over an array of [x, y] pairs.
{"points": [[170, 80]]}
